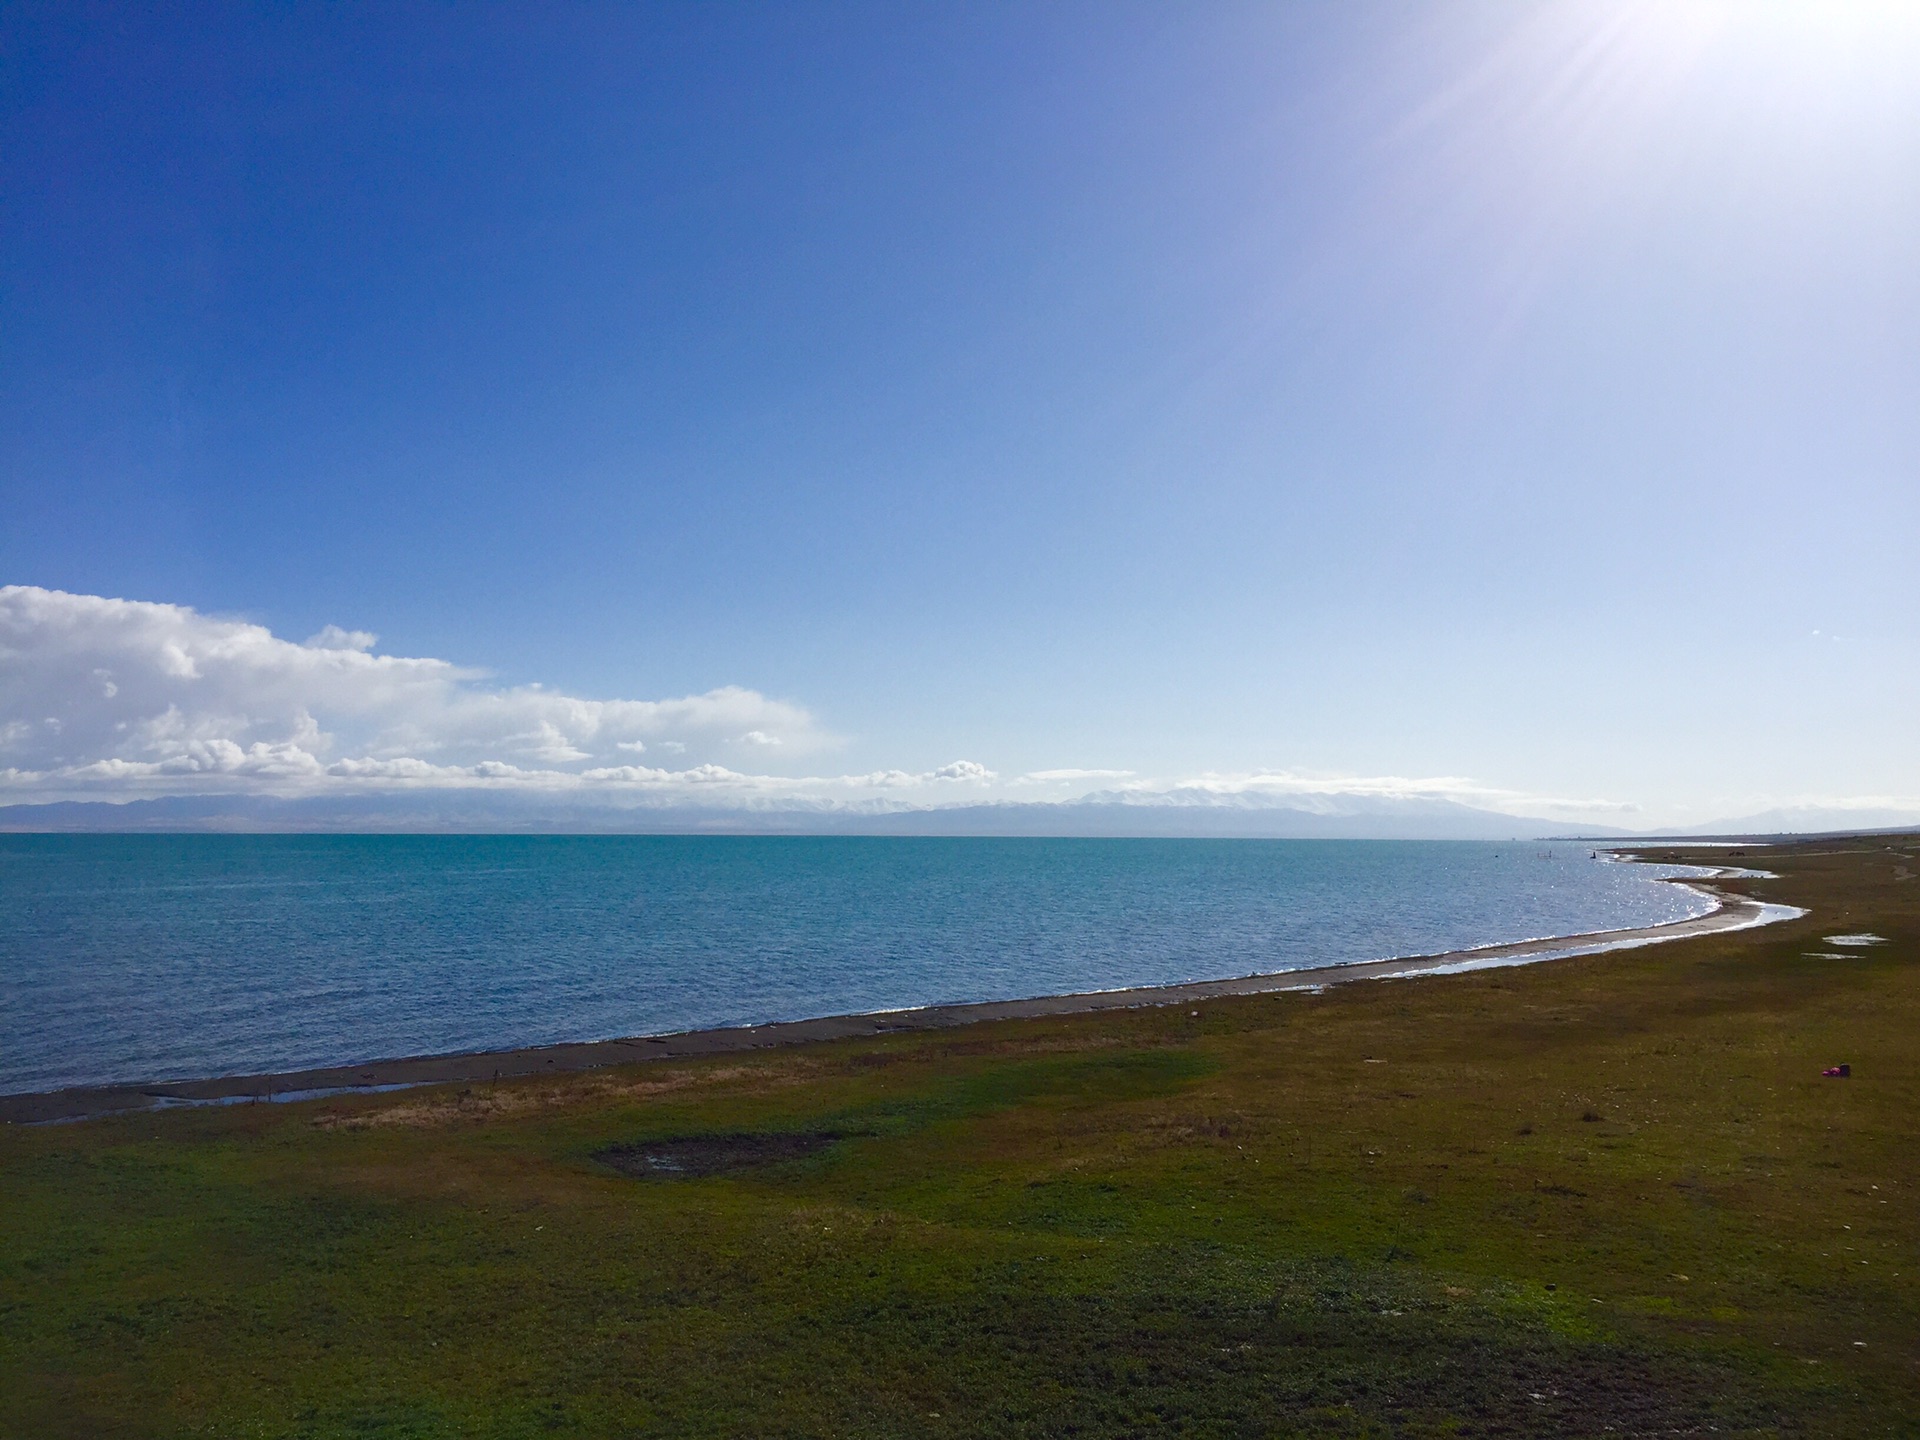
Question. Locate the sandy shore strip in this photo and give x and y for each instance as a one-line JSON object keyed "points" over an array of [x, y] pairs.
{"points": [[1731, 912]]}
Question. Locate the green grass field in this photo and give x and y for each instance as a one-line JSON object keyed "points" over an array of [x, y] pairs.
{"points": [[1603, 1196]]}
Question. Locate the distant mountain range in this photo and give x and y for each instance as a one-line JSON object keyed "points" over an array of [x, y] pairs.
{"points": [[1192, 812], [1203, 813], [1807, 820], [1166, 813]]}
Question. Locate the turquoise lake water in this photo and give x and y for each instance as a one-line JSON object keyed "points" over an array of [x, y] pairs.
{"points": [[127, 958]]}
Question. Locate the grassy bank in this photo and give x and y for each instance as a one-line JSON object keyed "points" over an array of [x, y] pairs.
{"points": [[1609, 1195]]}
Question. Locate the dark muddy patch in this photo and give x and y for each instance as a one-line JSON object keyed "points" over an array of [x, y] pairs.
{"points": [[689, 1157]]}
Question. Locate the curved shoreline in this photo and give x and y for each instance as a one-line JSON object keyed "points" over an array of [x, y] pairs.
{"points": [[1730, 912]]}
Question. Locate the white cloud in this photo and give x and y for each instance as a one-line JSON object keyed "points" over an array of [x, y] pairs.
{"points": [[98, 693], [967, 771], [332, 637], [111, 698]]}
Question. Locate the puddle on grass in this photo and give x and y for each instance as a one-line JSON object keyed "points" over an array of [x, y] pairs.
{"points": [[164, 1101], [689, 1157], [167, 1100]]}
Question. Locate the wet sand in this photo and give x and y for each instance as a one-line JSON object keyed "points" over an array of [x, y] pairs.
{"points": [[1732, 912]]}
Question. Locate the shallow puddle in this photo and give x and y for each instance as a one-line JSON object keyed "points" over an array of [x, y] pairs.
{"points": [[689, 1157]]}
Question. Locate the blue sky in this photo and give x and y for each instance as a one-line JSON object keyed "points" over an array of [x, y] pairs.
{"points": [[1510, 397]]}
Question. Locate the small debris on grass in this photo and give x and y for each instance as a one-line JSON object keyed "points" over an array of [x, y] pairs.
{"points": [[1837, 1072]]}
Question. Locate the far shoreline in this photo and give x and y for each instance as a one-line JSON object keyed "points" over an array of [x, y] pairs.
{"points": [[1729, 912]]}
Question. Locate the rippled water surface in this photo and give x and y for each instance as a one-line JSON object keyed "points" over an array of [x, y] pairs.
{"points": [[150, 957]]}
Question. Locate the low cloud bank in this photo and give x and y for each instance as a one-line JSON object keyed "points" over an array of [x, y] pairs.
{"points": [[113, 700], [104, 698]]}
